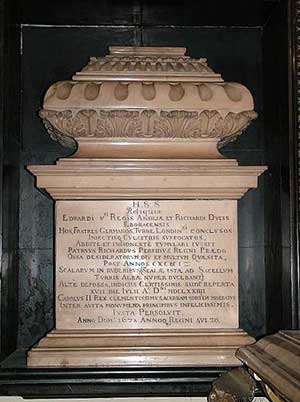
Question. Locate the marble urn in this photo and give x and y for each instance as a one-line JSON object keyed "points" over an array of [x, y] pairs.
{"points": [[147, 102]]}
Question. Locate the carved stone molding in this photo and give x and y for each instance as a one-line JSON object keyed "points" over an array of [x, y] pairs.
{"points": [[65, 125], [129, 58], [148, 179]]}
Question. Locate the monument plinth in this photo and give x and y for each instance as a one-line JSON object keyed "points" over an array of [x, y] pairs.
{"points": [[146, 244]]}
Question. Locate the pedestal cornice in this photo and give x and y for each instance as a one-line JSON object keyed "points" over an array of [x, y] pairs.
{"points": [[146, 179]]}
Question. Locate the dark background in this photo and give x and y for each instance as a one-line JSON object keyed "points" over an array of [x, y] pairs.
{"points": [[247, 41]]}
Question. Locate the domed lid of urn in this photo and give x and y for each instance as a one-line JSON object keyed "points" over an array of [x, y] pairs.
{"points": [[152, 63], [156, 78]]}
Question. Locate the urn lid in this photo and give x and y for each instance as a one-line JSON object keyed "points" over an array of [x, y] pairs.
{"points": [[152, 63], [147, 102]]}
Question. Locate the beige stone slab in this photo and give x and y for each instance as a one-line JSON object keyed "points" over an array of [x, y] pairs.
{"points": [[120, 164], [97, 349], [147, 179], [146, 264]]}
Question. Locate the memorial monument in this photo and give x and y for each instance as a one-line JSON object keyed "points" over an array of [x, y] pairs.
{"points": [[146, 257]]}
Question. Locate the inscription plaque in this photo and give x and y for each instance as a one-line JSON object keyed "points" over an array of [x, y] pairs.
{"points": [[146, 264]]}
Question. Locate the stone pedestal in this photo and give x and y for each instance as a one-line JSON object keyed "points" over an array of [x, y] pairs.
{"points": [[146, 262]]}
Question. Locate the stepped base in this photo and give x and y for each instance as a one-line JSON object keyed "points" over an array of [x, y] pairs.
{"points": [[145, 348]]}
